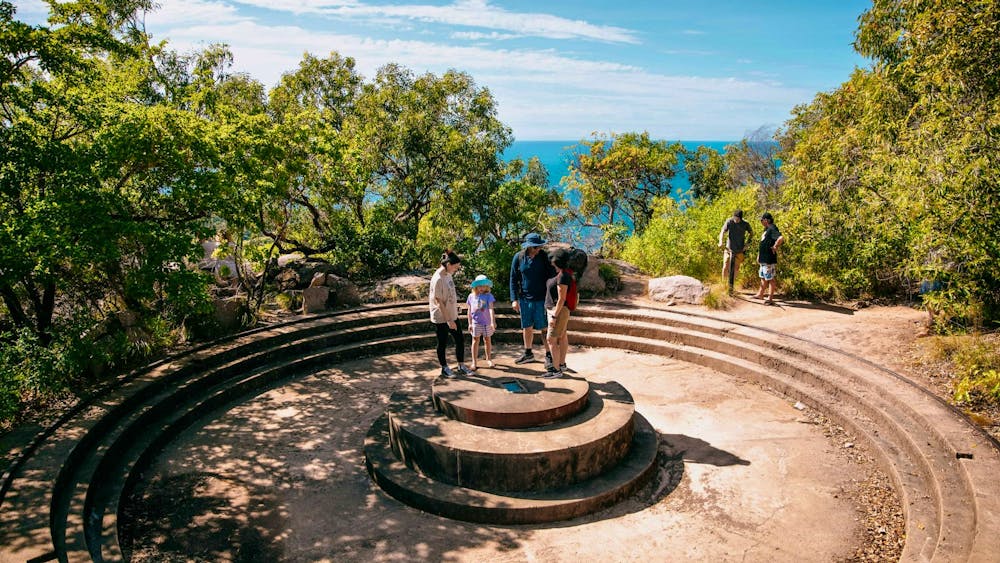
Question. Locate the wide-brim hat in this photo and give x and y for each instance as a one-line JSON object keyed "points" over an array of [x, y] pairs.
{"points": [[533, 239], [481, 279]]}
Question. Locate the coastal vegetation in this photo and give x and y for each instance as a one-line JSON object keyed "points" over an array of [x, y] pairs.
{"points": [[121, 156]]}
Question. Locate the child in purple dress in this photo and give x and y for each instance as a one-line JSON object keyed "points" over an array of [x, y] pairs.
{"points": [[482, 321]]}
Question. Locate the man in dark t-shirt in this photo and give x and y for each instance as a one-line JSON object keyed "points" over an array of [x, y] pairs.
{"points": [[767, 257], [739, 232]]}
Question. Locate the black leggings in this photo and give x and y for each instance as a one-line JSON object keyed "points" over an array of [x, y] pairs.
{"points": [[442, 336]]}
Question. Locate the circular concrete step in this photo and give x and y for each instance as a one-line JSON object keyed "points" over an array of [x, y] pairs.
{"points": [[509, 399], [491, 459], [468, 504]]}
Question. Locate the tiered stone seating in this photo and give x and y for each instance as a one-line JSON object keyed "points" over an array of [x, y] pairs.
{"points": [[60, 495]]}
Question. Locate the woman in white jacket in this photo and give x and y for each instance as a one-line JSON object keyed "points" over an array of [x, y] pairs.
{"points": [[444, 313]]}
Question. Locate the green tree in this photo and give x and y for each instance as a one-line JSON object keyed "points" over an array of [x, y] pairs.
{"points": [[113, 169], [706, 170], [754, 160], [432, 138], [903, 156], [324, 200], [619, 177]]}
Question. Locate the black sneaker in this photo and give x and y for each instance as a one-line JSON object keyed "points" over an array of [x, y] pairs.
{"points": [[562, 367], [548, 360], [553, 373], [527, 356]]}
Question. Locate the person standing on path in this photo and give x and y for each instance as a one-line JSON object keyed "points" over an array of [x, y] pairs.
{"points": [[557, 292], [443, 302], [482, 320], [739, 232], [767, 258], [529, 270]]}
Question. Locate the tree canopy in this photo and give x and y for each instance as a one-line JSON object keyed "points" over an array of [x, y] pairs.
{"points": [[121, 156], [619, 177]]}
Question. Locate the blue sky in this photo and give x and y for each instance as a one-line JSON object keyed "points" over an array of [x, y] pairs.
{"points": [[559, 70]]}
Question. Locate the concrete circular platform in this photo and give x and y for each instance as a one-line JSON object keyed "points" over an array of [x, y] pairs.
{"points": [[747, 476], [509, 397]]}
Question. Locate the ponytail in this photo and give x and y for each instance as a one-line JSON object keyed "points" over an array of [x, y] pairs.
{"points": [[450, 257]]}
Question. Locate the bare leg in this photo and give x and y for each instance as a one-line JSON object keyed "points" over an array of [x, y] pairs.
{"points": [[489, 350], [763, 286], [475, 351], [528, 334]]}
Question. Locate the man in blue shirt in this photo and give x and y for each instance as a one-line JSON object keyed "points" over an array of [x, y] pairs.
{"points": [[529, 271]]}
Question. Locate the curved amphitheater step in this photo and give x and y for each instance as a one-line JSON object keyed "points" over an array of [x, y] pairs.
{"points": [[941, 463], [59, 496]]}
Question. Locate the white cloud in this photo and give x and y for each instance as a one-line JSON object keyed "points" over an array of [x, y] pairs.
{"points": [[31, 11], [540, 93], [468, 13], [478, 36], [178, 12]]}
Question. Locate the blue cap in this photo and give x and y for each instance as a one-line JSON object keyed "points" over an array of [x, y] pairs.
{"points": [[533, 239], [481, 279]]}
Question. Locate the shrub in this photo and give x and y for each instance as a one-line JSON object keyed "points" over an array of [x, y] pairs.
{"points": [[718, 297], [973, 360], [977, 379], [289, 301], [611, 276], [685, 241]]}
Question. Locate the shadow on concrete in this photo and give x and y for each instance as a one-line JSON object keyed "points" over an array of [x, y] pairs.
{"points": [[205, 516], [808, 305], [696, 450], [280, 476]]}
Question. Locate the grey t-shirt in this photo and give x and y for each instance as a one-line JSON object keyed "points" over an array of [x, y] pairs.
{"points": [[739, 234]]}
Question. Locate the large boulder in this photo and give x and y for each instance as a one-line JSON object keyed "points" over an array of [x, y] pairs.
{"points": [[591, 281], [229, 313], [287, 280], [315, 299], [285, 259], [677, 289], [342, 291], [404, 288], [297, 272]]}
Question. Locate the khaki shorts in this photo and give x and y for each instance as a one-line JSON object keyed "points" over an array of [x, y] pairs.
{"points": [[557, 325]]}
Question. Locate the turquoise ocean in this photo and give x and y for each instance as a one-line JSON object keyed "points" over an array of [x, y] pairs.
{"points": [[556, 156]]}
